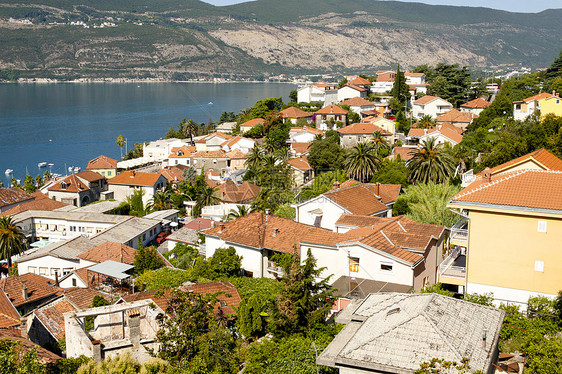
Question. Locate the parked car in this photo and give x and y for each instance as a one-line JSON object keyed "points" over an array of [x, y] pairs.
{"points": [[161, 237]]}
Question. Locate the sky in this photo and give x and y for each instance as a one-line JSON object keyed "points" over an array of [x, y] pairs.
{"points": [[524, 6]]}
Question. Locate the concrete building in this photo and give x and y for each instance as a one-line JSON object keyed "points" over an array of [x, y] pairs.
{"points": [[475, 106], [296, 116], [315, 93], [526, 107], [356, 133], [441, 133], [160, 149], [78, 189], [216, 161], [430, 105], [124, 184], [331, 113], [106, 166], [397, 332]]}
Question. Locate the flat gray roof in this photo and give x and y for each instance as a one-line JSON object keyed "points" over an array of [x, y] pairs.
{"points": [[98, 207], [69, 216], [127, 230], [162, 214], [112, 269]]}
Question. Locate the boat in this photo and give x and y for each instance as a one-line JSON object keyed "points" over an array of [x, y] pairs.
{"points": [[51, 165], [41, 164], [9, 171], [70, 169], [76, 169], [210, 103]]}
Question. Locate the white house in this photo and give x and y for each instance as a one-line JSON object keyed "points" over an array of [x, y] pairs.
{"points": [[295, 115], [350, 90], [430, 105], [358, 105], [159, 150], [384, 82], [303, 134], [180, 155], [524, 108], [475, 106], [212, 142], [242, 144], [314, 92], [125, 183], [248, 125], [359, 199], [444, 133]]}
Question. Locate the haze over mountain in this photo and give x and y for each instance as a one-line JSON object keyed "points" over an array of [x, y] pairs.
{"points": [[178, 39]]}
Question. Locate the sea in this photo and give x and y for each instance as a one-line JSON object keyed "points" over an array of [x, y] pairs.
{"points": [[68, 124]]}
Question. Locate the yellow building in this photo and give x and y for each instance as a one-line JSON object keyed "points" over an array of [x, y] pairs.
{"points": [[104, 165], [551, 105], [509, 239]]}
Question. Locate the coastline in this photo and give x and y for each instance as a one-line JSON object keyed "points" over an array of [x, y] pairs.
{"points": [[127, 80]]}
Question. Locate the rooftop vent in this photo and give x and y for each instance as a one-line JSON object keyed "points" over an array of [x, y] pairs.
{"points": [[393, 311]]}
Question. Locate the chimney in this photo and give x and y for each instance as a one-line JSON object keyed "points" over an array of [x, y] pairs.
{"points": [[378, 189], [275, 232], [487, 175], [24, 292], [57, 278], [221, 227]]}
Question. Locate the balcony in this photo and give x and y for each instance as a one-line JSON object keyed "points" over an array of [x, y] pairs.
{"points": [[453, 268], [468, 178], [275, 269], [459, 232]]}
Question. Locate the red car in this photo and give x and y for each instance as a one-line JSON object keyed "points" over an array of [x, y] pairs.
{"points": [[161, 237]]}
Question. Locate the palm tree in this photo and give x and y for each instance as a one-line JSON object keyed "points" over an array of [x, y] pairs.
{"points": [[188, 128], [283, 154], [426, 122], [240, 211], [205, 197], [255, 157], [431, 163], [380, 141], [161, 200], [120, 141], [362, 161], [11, 239]]}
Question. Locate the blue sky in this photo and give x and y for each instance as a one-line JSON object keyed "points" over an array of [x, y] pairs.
{"points": [[526, 6]]}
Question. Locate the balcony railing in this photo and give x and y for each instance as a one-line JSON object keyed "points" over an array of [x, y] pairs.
{"points": [[468, 178], [459, 231], [454, 265], [272, 267]]}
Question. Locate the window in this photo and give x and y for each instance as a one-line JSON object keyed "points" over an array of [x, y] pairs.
{"points": [[98, 230], [73, 282], [66, 271], [54, 272], [81, 229], [541, 226], [215, 161], [354, 264], [32, 269], [43, 271], [385, 266], [539, 266], [143, 237]]}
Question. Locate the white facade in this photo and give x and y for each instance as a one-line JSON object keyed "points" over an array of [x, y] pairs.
{"points": [[347, 92], [57, 229], [358, 109], [160, 149], [381, 87], [309, 94], [439, 138], [433, 108], [302, 137], [320, 212], [173, 161], [212, 143], [506, 295], [48, 266], [72, 280], [121, 192], [252, 258], [218, 212], [244, 145]]}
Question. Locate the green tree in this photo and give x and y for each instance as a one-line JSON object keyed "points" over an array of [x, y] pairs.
{"points": [[120, 141], [555, 69], [293, 96], [161, 279], [438, 365], [39, 181], [451, 83], [16, 359], [362, 161], [205, 197], [136, 204], [124, 364], [97, 301], [147, 258], [240, 211], [326, 154], [252, 317], [285, 211], [426, 122], [29, 184], [400, 90], [436, 288], [391, 172], [427, 203], [304, 302], [11, 239], [161, 200], [188, 129], [192, 339], [431, 163], [222, 264]]}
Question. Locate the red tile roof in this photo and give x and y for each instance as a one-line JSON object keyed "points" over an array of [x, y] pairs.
{"points": [[172, 174], [182, 152], [9, 316], [14, 195], [426, 99], [82, 298], [200, 224], [445, 129], [355, 87], [237, 193], [364, 199], [405, 153], [542, 157], [360, 81], [70, 184], [213, 134], [110, 251], [41, 202], [301, 148], [43, 355], [253, 122], [332, 109], [135, 178], [298, 130], [357, 101], [236, 155], [300, 163], [408, 74], [102, 162], [456, 116], [362, 128], [528, 188], [209, 154], [540, 96], [38, 287], [90, 176], [294, 112], [477, 103], [51, 316]]}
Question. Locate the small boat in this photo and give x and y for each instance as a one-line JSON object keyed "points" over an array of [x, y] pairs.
{"points": [[9, 171], [76, 169], [70, 168], [51, 165], [210, 103], [41, 164]]}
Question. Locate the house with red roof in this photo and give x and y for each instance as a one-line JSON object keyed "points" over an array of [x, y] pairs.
{"points": [[296, 116], [212, 141], [356, 133], [315, 93], [351, 90], [444, 133], [106, 166], [507, 239], [12, 197], [181, 155], [430, 105], [305, 134], [359, 105], [524, 108], [248, 125], [475, 106], [301, 170], [456, 118], [327, 117], [124, 184], [78, 189], [238, 143]]}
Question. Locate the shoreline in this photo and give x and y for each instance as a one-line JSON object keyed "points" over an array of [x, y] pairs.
{"points": [[126, 80]]}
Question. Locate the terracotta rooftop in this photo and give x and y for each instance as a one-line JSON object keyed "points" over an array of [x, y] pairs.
{"points": [[209, 154], [365, 199], [212, 135], [408, 74], [456, 116], [236, 155], [427, 99], [172, 174], [294, 112], [445, 129], [69, 184], [355, 87], [541, 157], [362, 128], [300, 163], [14, 195], [298, 130], [110, 251], [540, 96], [51, 316], [9, 316], [253, 122], [43, 355], [82, 298], [405, 153], [528, 189], [357, 101], [360, 81], [332, 109], [237, 193], [301, 148], [38, 287], [477, 103], [135, 178], [200, 224], [40, 202], [182, 152], [102, 162]]}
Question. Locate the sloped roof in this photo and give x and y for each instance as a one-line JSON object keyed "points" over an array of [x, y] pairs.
{"points": [[360, 81], [447, 130], [362, 128], [9, 316], [456, 116], [357, 101], [298, 130], [110, 251], [405, 153], [102, 162], [43, 355], [540, 96], [527, 189], [542, 157], [14, 195], [294, 112], [253, 122], [82, 298], [478, 103], [236, 155], [51, 316], [300, 163], [408, 74], [395, 332], [67, 249], [355, 87], [90, 176], [237, 193], [38, 287], [182, 152], [40, 202], [209, 154], [172, 174], [425, 99], [72, 183], [301, 148], [363, 198], [332, 109], [219, 134], [199, 224], [135, 178]]}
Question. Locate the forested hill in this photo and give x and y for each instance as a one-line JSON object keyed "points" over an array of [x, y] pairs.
{"points": [[178, 39]]}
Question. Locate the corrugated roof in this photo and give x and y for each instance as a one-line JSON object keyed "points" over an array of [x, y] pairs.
{"points": [[112, 269]]}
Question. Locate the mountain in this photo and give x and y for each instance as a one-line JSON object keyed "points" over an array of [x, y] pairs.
{"points": [[179, 39]]}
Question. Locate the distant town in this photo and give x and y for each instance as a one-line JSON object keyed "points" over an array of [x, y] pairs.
{"points": [[401, 222]]}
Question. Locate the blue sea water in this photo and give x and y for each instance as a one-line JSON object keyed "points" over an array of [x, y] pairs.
{"points": [[71, 123]]}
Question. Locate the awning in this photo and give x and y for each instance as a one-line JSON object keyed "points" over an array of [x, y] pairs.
{"points": [[112, 269]]}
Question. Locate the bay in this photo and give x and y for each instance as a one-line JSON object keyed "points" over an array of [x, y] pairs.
{"points": [[71, 123]]}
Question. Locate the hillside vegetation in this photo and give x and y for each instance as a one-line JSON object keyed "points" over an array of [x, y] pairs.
{"points": [[180, 39]]}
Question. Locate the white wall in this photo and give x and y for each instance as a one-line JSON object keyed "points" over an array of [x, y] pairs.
{"points": [[505, 295], [251, 258], [67, 282], [302, 137], [47, 265], [121, 192], [331, 212], [62, 229], [347, 92]]}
